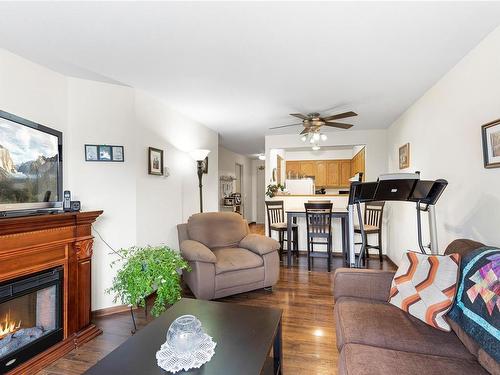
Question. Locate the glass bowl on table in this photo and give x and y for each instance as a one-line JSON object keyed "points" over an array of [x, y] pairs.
{"points": [[185, 334]]}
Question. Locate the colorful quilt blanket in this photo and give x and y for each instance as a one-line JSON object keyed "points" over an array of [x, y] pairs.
{"points": [[477, 304]]}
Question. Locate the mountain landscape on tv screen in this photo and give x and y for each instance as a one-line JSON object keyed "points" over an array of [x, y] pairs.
{"points": [[28, 165]]}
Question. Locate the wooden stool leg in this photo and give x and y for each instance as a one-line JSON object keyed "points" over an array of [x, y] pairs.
{"points": [[329, 252], [296, 241], [281, 236], [308, 253], [380, 245]]}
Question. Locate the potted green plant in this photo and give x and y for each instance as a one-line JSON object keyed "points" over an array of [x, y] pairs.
{"points": [[145, 270], [273, 189]]}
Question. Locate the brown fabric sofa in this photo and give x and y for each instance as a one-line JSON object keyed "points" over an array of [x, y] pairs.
{"points": [[225, 258], [375, 337]]}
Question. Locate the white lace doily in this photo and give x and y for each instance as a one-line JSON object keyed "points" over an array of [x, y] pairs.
{"points": [[173, 362]]}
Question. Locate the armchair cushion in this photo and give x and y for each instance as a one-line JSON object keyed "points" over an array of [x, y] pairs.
{"points": [[362, 283], [217, 229], [234, 259], [259, 244], [195, 251]]}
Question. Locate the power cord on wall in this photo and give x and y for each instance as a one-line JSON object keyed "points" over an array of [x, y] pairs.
{"points": [[107, 244]]}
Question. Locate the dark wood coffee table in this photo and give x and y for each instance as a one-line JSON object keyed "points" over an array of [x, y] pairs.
{"points": [[244, 337]]}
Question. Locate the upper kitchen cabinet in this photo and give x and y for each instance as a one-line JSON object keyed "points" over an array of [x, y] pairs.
{"points": [[358, 163], [333, 173], [345, 173], [308, 168], [321, 173], [292, 169]]}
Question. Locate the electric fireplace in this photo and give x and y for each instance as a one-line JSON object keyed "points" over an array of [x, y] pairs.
{"points": [[30, 316]]}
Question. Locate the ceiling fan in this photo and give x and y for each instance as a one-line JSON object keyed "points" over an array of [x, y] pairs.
{"points": [[312, 122]]}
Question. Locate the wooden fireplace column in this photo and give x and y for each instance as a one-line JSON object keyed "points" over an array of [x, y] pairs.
{"points": [[35, 243]]}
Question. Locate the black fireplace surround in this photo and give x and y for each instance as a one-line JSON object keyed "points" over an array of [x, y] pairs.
{"points": [[30, 316]]}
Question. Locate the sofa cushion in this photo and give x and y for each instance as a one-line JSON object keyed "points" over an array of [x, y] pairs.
{"points": [[377, 323], [235, 258], [425, 285], [368, 360], [217, 229]]}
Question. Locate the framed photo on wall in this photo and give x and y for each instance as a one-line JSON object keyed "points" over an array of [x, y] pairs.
{"points": [[404, 156], [155, 161], [491, 144], [104, 153]]}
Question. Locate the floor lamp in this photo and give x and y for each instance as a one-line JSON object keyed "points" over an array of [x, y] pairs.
{"points": [[202, 163]]}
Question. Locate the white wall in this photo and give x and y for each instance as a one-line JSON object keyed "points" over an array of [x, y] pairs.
{"points": [[443, 128], [227, 167], [318, 155], [138, 208]]}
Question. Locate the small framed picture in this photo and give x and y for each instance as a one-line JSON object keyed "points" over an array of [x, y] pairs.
{"points": [[404, 156], [91, 153], [105, 153], [491, 144], [155, 161], [117, 153]]}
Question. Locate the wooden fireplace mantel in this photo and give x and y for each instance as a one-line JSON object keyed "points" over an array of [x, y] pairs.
{"points": [[35, 243]]}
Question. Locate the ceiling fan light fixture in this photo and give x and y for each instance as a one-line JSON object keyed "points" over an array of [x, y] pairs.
{"points": [[315, 148], [316, 136], [303, 138], [324, 137], [311, 140]]}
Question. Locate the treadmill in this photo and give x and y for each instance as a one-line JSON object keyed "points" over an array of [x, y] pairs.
{"points": [[402, 187]]}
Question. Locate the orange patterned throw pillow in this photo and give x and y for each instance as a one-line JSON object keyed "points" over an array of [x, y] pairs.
{"points": [[424, 286]]}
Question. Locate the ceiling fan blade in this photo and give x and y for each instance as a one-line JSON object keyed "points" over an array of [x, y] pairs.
{"points": [[285, 126], [299, 115], [338, 125], [340, 115], [305, 131]]}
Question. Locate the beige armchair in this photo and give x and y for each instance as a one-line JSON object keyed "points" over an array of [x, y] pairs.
{"points": [[225, 258]]}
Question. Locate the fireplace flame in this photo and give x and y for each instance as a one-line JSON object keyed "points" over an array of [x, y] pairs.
{"points": [[8, 326]]}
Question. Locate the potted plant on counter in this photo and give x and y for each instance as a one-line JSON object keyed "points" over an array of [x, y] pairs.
{"points": [[147, 270], [274, 189]]}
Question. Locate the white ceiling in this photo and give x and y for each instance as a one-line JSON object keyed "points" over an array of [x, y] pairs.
{"points": [[241, 68]]}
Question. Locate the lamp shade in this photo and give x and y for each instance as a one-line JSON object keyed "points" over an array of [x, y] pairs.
{"points": [[199, 154]]}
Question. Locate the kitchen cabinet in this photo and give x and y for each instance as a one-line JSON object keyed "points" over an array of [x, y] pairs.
{"points": [[292, 169], [321, 173], [308, 168], [326, 173], [358, 163], [345, 173], [332, 173]]}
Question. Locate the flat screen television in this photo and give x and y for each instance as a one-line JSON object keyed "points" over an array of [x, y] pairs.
{"points": [[30, 166]]}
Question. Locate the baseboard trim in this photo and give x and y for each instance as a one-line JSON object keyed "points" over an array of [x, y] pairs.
{"points": [[110, 311], [390, 261]]}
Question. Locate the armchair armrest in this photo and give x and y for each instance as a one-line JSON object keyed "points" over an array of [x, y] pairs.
{"points": [[362, 283], [195, 251], [259, 244]]}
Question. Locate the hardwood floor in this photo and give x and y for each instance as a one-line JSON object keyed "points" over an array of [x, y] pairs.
{"points": [[309, 344]]}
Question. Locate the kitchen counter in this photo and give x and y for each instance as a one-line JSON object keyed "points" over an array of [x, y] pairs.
{"points": [[310, 195], [296, 202]]}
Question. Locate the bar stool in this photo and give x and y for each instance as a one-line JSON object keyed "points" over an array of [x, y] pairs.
{"points": [[276, 222], [319, 226], [374, 212]]}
